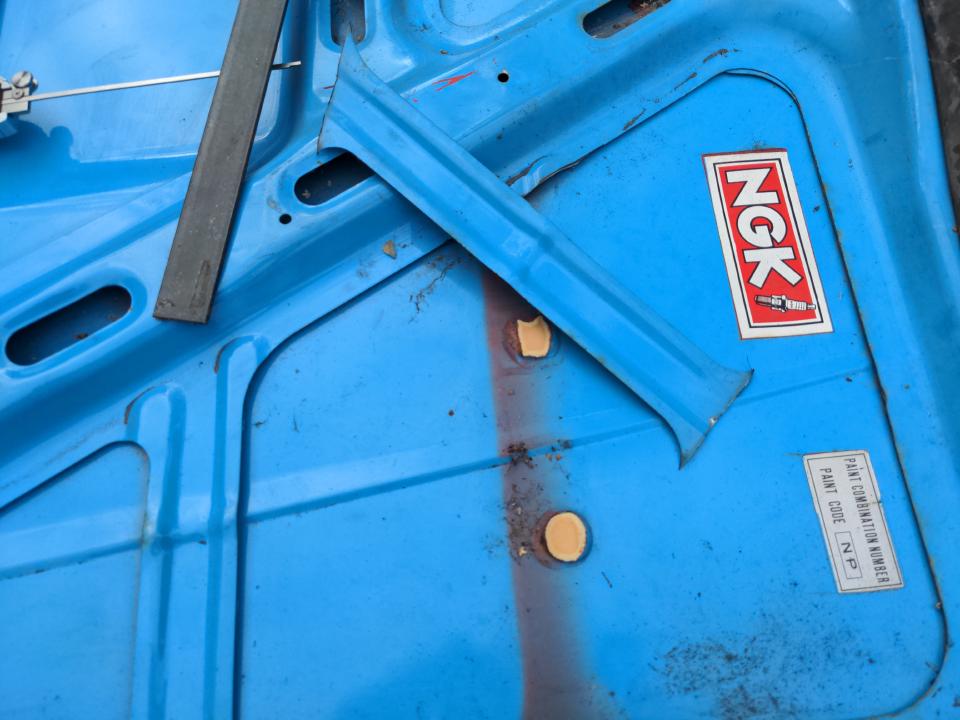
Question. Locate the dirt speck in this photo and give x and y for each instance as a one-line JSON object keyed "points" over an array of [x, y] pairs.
{"points": [[519, 453]]}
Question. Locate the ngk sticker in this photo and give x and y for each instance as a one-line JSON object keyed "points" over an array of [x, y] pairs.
{"points": [[773, 274]]}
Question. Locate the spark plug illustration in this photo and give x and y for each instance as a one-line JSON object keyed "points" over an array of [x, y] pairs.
{"points": [[783, 303]]}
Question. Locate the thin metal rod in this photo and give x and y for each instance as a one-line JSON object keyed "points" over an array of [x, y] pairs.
{"points": [[143, 83]]}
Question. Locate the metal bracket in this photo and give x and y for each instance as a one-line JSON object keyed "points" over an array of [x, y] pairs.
{"points": [[15, 94], [678, 380]]}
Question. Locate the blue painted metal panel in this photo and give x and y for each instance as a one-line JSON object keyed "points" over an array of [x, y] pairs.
{"points": [[320, 504]]}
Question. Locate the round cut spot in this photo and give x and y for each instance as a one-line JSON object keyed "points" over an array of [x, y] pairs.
{"points": [[566, 537], [534, 337]]}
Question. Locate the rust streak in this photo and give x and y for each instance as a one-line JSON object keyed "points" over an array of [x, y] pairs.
{"points": [[568, 166], [129, 408], [216, 362], [629, 124], [555, 683], [722, 52], [687, 79], [513, 178]]}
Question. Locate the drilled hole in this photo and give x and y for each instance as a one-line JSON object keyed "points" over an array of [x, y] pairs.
{"points": [[68, 325], [285, 219], [346, 14], [325, 182], [612, 17], [504, 76]]}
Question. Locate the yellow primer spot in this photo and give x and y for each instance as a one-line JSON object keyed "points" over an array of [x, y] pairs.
{"points": [[534, 337], [566, 537], [390, 248]]}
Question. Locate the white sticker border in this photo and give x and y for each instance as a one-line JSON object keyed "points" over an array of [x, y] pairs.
{"points": [[749, 331], [826, 532]]}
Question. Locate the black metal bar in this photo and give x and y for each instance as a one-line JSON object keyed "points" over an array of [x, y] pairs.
{"points": [[193, 268], [942, 21]]}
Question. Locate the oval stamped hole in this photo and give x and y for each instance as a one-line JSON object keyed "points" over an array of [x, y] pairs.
{"points": [[612, 17], [325, 182], [68, 325]]}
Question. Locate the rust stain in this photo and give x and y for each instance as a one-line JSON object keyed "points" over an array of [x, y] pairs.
{"points": [[442, 266], [447, 82], [555, 684], [642, 8], [513, 178], [687, 79], [722, 52], [562, 168], [629, 124], [129, 408], [216, 362], [639, 9]]}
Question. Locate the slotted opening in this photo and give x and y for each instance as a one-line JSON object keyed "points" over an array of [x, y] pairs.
{"points": [[325, 182], [612, 17], [68, 325], [347, 14]]}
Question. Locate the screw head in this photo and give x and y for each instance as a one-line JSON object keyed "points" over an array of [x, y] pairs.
{"points": [[23, 79]]}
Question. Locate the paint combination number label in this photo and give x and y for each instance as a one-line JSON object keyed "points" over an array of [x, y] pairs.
{"points": [[847, 501]]}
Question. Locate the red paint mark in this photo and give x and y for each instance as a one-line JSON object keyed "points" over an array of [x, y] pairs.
{"points": [[447, 82]]}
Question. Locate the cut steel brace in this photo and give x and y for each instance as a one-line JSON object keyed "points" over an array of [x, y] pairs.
{"points": [[672, 375]]}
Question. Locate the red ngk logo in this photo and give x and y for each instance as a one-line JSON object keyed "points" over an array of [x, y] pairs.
{"points": [[773, 274]]}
